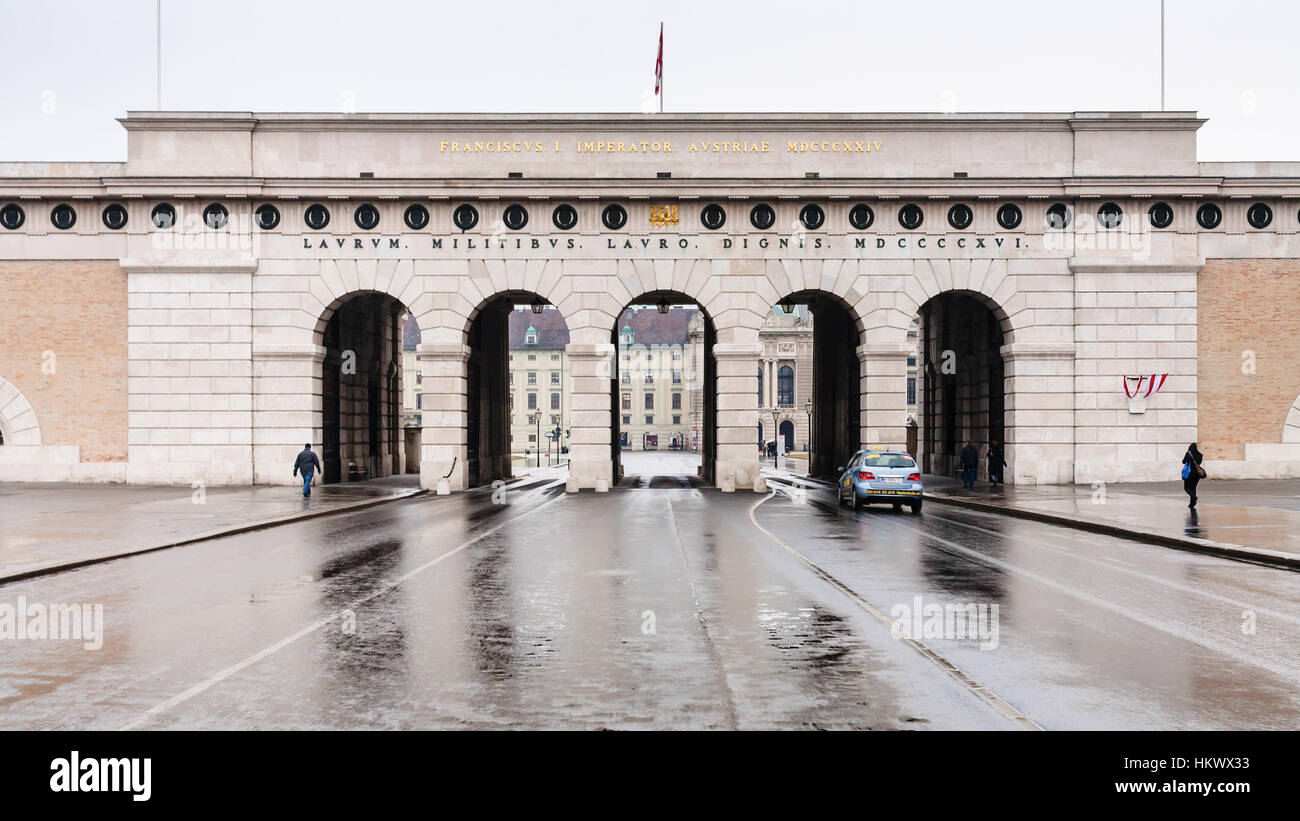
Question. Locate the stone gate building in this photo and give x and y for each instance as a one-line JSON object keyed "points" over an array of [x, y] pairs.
{"points": [[236, 287]]}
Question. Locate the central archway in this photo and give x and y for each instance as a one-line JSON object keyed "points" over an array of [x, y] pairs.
{"points": [[663, 393]]}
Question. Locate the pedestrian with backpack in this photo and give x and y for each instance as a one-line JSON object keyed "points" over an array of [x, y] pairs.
{"points": [[1192, 473]]}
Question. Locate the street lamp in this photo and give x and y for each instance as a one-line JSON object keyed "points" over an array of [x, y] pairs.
{"points": [[776, 433], [536, 419], [807, 407]]}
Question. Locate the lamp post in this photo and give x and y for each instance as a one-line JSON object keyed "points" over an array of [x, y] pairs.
{"points": [[776, 433], [807, 407], [537, 420]]}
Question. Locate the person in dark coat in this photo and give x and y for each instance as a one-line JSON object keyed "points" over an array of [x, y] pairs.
{"points": [[996, 462], [307, 464], [1193, 460], [970, 460]]}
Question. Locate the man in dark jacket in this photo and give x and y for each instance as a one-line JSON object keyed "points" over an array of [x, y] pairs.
{"points": [[996, 462], [970, 459], [307, 464]]}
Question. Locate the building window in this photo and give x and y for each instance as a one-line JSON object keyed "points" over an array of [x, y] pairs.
{"points": [[677, 356], [911, 390], [532, 377], [649, 401], [419, 401], [555, 401], [532, 437], [532, 401], [677, 420], [419, 378], [649, 379], [510, 378], [785, 385], [512, 403], [760, 386], [555, 357], [677, 377], [911, 362], [625, 378], [627, 420], [677, 401], [532, 357], [649, 420], [555, 377], [627, 401]]}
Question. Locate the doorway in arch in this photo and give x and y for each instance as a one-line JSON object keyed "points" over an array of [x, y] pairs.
{"points": [[663, 394]]}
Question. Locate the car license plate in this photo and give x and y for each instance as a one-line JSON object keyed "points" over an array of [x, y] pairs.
{"points": [[894, 480]]}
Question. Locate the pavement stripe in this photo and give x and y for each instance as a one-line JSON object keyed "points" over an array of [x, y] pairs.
{"points": [[265, 652], [1017, 718]]}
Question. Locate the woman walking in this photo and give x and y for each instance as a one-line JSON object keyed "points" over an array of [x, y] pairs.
{"points": [[1192, 473]]}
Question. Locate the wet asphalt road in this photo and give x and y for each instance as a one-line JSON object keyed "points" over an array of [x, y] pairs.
{"points": [[659, 608]]}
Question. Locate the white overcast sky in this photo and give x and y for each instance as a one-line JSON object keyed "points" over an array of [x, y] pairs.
{"points": [[71, 67]]}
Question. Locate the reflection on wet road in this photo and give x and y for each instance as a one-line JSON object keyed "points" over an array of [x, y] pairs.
{"points": [[653, 609]]}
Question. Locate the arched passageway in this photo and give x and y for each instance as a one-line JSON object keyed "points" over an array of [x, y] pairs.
{"points": [[962, 381], [663, 395], [361, 389], [517, 388], [814, 384]]}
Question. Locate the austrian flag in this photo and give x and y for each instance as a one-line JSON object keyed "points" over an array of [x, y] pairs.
{"points": [[1145, 386], [659, 61]]}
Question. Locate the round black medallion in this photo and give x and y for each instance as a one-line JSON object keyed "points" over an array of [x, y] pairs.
{"points": [[614, 217], [713, 217], [416, 217], [564, 216], [114, 216], [267, 216], [1259, 215], [762, 216], [1058, 216], [960, 216], [911, 216], [366, 216], [316, 216], [63, 216], [1208, 216], [12, 216], [465, 216], [163, 215], [215, 215], [1009, 216], [861, 216], [515, 216], [1110, 215], [812, 216], [1161, 215]]}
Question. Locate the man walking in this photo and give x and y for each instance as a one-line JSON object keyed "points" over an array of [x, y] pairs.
{"points": [[996, 463], [307, 464], [970, 459]]}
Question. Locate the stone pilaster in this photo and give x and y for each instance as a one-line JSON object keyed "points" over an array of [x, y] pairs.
{"points": [[1040, 422], [286, 408], [737, 427], [443, 414], [590, 369], [884, 393]]}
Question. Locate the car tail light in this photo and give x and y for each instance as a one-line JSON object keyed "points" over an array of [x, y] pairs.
{"points": [[866, 474], [913, 477]]}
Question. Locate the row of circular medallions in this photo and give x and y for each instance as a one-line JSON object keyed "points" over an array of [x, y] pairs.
{"points": [[713, 216]]}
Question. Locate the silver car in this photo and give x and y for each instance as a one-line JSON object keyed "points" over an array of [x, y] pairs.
{"points": [[881, 476]]}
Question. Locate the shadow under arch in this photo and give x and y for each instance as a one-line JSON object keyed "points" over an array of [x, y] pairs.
{"points": [[835, 390], [961, 394], [508, 403], [665, 323], [361, 386]]}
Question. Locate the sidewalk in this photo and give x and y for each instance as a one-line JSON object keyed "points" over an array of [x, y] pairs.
{"points": [[1256, 520], [46, 526]]}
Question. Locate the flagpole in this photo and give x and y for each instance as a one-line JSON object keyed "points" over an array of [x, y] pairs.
{"points": [[661, 66], [1162, 55], [158, 53]]}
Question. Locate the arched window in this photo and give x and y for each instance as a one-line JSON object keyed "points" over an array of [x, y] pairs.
{"points": [[760, 386], [785, 385]]}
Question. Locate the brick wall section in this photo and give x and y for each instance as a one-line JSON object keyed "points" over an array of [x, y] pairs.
{"points": [[77, 310], [1247, 305]]}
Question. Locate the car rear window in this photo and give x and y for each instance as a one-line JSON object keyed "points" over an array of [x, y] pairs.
{"points": [[889, 460]]}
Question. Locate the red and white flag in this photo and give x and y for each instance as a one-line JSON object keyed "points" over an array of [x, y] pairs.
{"points": [[659, 61]]}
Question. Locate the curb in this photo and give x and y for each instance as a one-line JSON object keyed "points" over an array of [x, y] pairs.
{"points": [[206, 536], [1253, 555]]}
